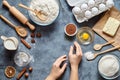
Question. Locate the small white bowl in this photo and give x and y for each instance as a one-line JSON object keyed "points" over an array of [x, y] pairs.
{"points": [[68, 33]]}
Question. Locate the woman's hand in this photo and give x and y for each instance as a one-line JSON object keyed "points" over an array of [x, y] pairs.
{"points": [[56, 71], [75, 58]]}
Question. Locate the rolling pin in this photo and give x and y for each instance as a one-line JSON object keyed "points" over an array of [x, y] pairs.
{"points": [[18, 15]]}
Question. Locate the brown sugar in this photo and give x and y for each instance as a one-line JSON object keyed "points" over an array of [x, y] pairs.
{"points": [[70, 29]]}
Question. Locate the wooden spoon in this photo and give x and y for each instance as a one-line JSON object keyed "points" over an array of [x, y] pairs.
{"points": [[20, 30], [108, 50], [42, 16], [99, 46]]}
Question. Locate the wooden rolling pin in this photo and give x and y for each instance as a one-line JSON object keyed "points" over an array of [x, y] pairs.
{"points": [[18, 15]]}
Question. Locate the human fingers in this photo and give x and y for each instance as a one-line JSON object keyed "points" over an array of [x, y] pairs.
{"points": [[71, 50], [60, 61], [64, 56], [78, 48], [64, 67]]}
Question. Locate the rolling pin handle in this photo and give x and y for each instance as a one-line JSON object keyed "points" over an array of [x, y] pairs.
{"points": [[30, 26], [6, 4]]}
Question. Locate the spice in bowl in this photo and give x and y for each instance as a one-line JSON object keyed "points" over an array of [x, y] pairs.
{"points": [[70, 29]]}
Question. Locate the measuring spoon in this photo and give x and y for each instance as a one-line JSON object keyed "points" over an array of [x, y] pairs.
{"points": [[20, 30], [99, 46], [42, 16]]}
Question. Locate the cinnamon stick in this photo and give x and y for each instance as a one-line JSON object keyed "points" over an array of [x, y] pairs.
{"points": [[21, 73], [25, 43]]}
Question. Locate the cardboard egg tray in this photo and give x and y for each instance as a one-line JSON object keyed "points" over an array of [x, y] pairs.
{"points": [[84, 14]]}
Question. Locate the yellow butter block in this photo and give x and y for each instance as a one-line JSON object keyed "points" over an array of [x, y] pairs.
{"points": [[111, 26]]}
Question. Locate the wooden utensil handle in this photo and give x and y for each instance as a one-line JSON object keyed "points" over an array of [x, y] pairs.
{"points": [[21, 73], [7, 21], [6, 4], [32, 27], [111, 49], [25, 7], [109, 42]]}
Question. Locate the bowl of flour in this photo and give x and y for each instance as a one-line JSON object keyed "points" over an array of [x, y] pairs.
{"points": [[109, 66], [49, 7]]}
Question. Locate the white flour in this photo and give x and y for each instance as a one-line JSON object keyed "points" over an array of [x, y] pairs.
{"points": [[89, 55], [49, 7], [108, 65]]}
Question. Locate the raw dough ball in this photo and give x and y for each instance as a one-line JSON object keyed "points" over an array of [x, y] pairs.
{"points": [[88, 14], [94, 10], [84, 7], [91, 3], [102, 7], [109, 3], [76, 10]]}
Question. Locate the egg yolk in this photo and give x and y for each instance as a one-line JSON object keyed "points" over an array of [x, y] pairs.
{"points": [[85, 36]]}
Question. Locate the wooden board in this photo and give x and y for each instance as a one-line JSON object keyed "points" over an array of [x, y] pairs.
{"points": [[113, 12]]}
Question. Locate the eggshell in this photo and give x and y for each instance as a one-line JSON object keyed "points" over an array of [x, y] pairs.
{"points": [[76, 10], [98, 1], [88, 14], [94, 10], [102, 7], [84, 7], [91, 3], [109, 3]]}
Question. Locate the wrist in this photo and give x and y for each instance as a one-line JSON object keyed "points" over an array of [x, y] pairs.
{"points": [[50, 77], [74, 67]]}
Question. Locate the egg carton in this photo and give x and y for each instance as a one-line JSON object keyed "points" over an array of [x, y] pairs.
{"points": [[83, 10]]}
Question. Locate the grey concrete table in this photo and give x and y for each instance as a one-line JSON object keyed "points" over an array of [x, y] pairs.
{"points": [[51, 45]]}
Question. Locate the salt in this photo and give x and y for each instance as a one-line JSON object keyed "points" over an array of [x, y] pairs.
{"points": [[89, 55]]}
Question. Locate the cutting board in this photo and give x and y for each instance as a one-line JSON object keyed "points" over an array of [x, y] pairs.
{"points": [[113, 12]]}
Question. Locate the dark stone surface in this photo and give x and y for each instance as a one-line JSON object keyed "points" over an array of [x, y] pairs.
{"points": [[50, 46]]}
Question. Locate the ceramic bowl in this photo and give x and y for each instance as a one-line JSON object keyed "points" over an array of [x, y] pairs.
{"points": [[36, 20], [67, 32], [115, 75]]}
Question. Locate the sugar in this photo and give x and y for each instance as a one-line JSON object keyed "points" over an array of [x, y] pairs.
{"points": [[89, 55], [108, 65]]}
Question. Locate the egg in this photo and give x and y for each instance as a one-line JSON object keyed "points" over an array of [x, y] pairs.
{"points": [[109, 3], [91, 3], [94, 10], [98, 1], [84, 7], [102, 7], [85, 36], [88, 14], [76, 10]]}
